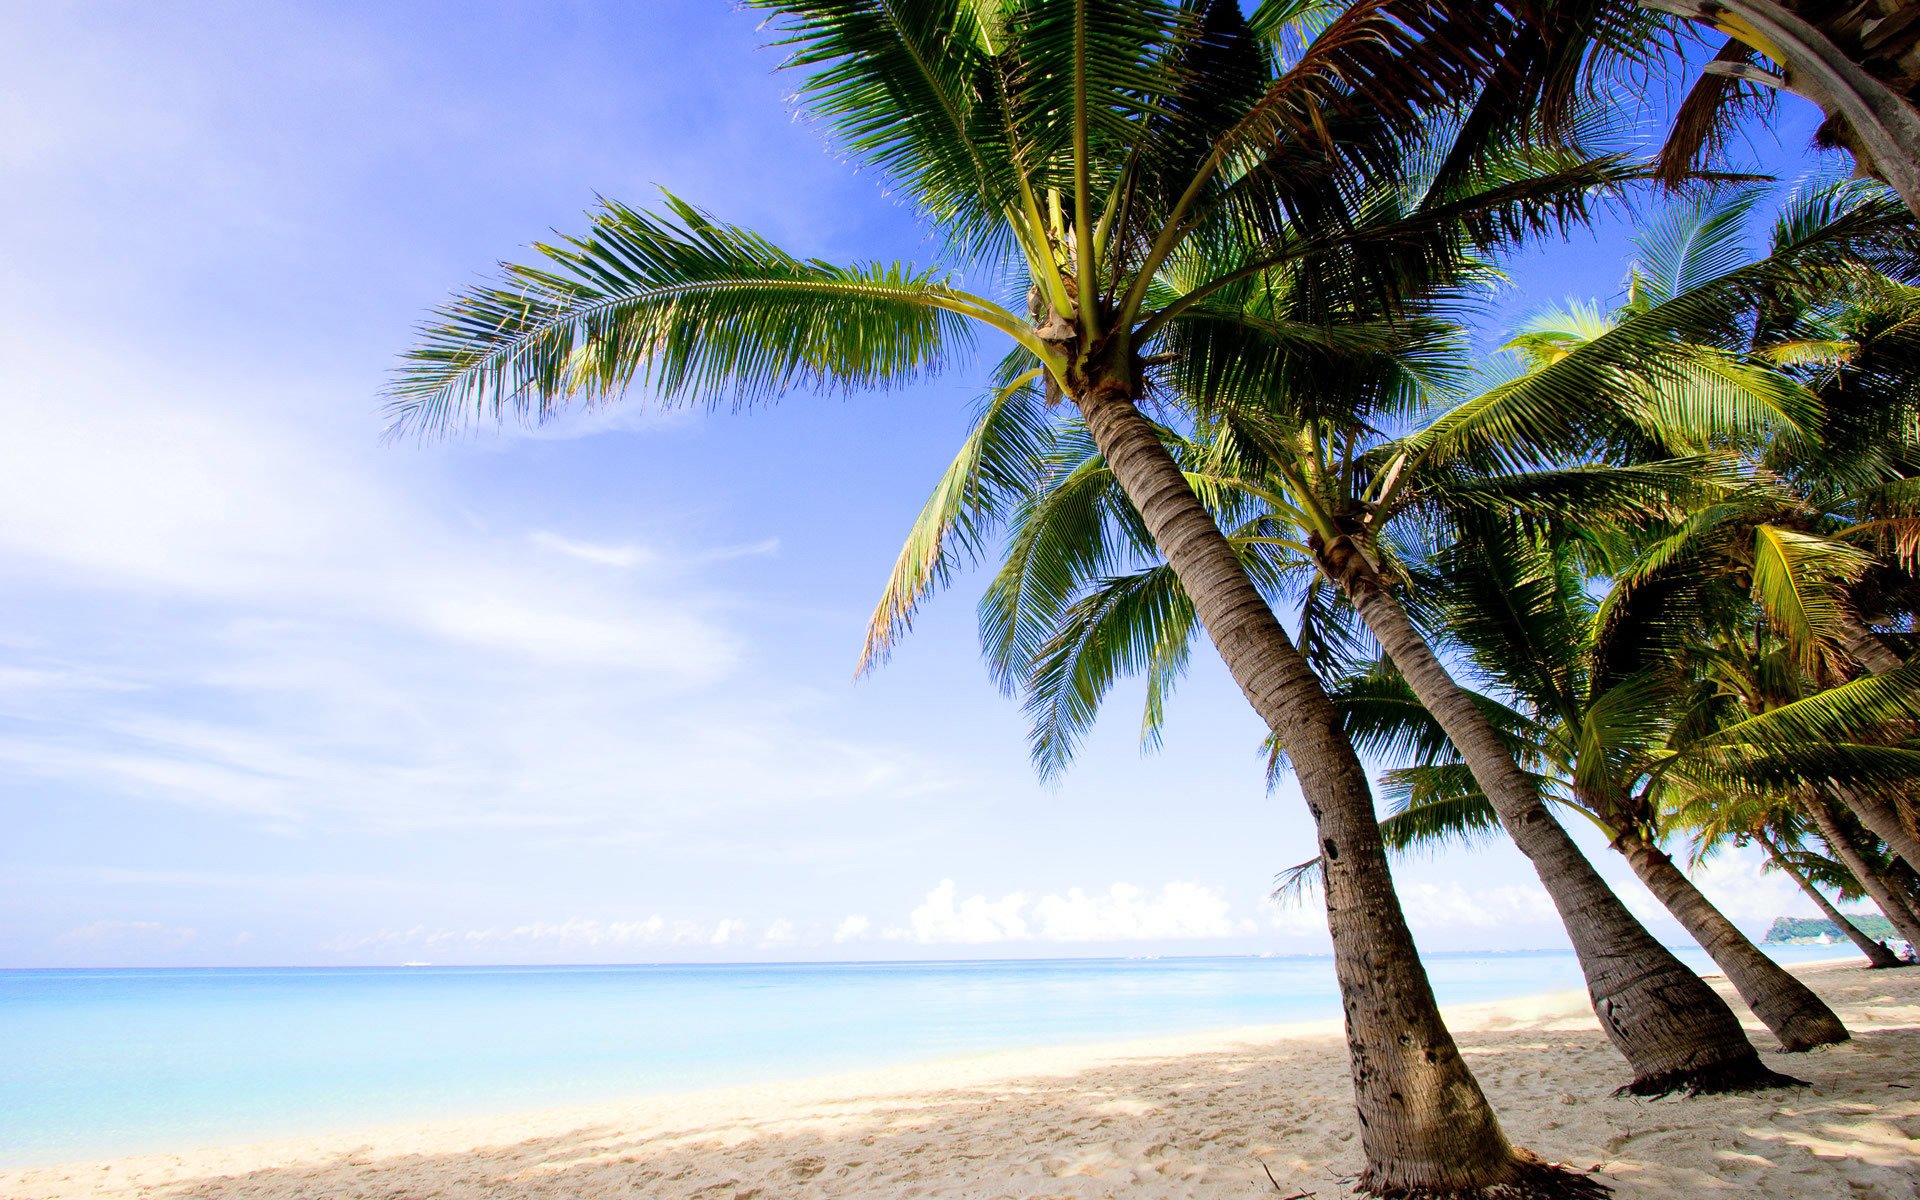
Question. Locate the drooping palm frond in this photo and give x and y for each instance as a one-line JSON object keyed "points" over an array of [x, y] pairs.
{"points": [[1836, 715], [1797, 580], [991, 471], [1644, 380], [1438, 805], [1073, 528], [1385, 719], [1141, 623], [1712, 109], [690, 308]]}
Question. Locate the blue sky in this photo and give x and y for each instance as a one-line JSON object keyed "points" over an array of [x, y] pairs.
{"points": [[273, 692]]}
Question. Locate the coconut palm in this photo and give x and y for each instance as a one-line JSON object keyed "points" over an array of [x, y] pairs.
{"points": [[1608, 732], [1758, 673], [1092, 150], [1831, 544], [1777, 824], [1291, 448]]}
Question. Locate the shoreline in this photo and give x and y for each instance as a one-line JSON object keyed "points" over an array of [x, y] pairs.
{"points": [[1011, 1060], [1193, 1113], [571, 1075]]}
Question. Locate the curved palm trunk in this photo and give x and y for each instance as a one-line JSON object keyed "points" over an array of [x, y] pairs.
{"points": [[1844, 848], [1675, 1032], [1878, 956], [1835, 61], [1904, 883], [1798, 1017], [1883, 820], [1882, 817], [1425, 1126]]}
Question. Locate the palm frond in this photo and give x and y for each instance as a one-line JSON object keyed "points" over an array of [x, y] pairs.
{"points": [[691, 308], [1130, 624], [992, 469], [1797, 579]]}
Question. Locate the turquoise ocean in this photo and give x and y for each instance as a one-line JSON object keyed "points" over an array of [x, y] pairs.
{"points": [[97, 1063]]}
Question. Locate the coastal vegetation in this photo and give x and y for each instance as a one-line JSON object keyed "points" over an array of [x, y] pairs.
{"points": [[1648, 568], [1808, 929]]}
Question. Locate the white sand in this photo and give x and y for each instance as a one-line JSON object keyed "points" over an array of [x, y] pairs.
{"points": [[1188, 1116]]}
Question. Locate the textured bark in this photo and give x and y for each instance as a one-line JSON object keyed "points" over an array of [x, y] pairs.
{"points": [[1675, 1032], [1905, 884], [1425, 1126], [1873, 120], [1844, 848], [1882, 817], [1864, 648], [1798, 1017], [1877, 953], [1884, 821]]}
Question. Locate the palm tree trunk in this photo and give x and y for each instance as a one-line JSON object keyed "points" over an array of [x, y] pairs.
{"points": [[1844, 848], [1675, 1032], [1425, 1126], [1798, 1017], [1866, 649], [1873, 120], [1877, 953], [1883, 820], [1901, 879], [1881, 817]]}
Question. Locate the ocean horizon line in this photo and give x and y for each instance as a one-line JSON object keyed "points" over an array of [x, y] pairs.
{"points": [[1845, 951]]}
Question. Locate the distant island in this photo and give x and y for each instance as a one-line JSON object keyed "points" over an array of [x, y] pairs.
{"points": [[1819, 929]]}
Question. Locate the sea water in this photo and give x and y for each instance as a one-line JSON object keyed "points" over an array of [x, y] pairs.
{"points": [[110, 1062]]}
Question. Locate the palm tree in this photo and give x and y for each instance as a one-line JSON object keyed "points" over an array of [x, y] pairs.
{"points": [[1835, 536], [1774, 822], [1858, 63], [1759, 674], [1600, 731], [1879, 957], [1095, 149], [1324, 486]]}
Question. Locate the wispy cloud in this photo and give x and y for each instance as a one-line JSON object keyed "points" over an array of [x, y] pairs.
{"points": [[623, 556], [1123, 913]]}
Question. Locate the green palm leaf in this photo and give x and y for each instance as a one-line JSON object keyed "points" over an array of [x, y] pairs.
{"points": [[684, 305]]}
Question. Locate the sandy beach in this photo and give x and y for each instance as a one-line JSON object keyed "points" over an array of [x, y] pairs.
{"points": [[1201, 1115]]}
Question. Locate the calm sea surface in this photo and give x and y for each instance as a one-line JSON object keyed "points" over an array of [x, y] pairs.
{"points": [[96, 1063]]}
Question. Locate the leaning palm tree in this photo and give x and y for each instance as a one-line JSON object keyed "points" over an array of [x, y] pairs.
{"points": [[1092, 150], [1608, 732], [1733, 817], [1757, 673], [1294, 432], [1832, 543]]}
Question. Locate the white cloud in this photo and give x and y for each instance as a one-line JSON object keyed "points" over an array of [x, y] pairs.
{"points": [[1129, 913], [853, 929], [623, 556], [1124, 912], [1452, 905], [779, 933], [943, 920]]}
